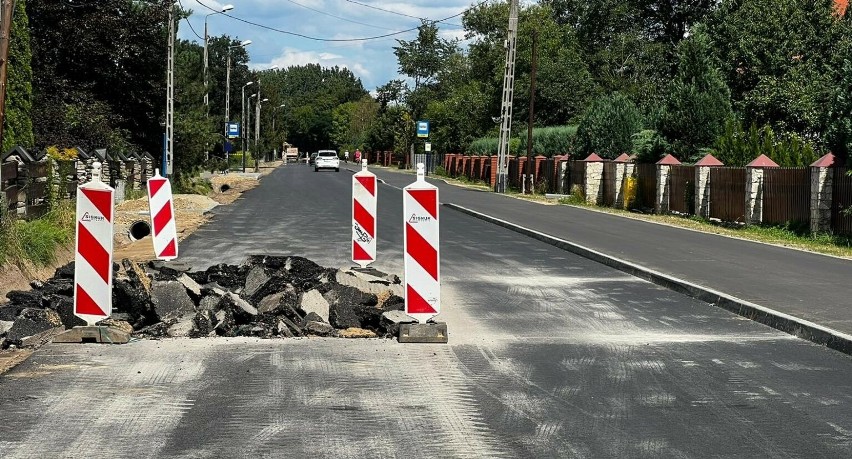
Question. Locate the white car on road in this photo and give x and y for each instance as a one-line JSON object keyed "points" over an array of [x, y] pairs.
{"points": [[327, 159]]}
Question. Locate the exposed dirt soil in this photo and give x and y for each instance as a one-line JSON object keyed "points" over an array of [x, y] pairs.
{"points": [[190, 215], [18, 278]]}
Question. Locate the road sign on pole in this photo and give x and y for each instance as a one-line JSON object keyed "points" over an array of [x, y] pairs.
{"points": [[163, 228], [422, 129], [364, 198], [422, 253], [233, 130], [93, 250]]}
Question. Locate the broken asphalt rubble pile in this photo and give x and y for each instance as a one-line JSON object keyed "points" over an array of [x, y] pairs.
{"points": [[266, 296]]}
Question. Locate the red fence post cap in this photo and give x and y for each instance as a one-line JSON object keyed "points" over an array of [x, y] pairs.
{"points": [[668, 160], [826, 161], [762, 161], [709, 160]]}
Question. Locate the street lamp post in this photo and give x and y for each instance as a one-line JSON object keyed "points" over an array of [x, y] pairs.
{"points": [[206, 92], [243, 119], [246, 132], [274, 67], [228, 79], [257, 132]]}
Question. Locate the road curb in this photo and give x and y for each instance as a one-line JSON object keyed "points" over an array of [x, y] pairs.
{"points": [[784, 322]]}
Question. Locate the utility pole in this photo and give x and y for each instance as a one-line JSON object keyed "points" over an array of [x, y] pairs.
{"points": [[532, 110], [6, 9], [170, 98], [247, 130], [508, 93], [206, 71], [257, 129]]}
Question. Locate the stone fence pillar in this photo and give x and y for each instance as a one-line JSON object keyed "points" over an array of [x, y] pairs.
{"points": [[702, 184], [561, 171], [754, 188], [664, 167], [594, 179], [822, 184], [620, 174]]}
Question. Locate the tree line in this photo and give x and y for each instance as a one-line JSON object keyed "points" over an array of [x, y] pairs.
{"points": [[734, 78]]}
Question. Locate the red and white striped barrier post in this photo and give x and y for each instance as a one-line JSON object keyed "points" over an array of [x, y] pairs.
{"points": [[364, 198], [93, 251], [422, 253], [163, 228]]}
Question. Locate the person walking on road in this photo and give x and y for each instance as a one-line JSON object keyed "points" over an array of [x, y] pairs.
{"points": [[346, 156], [357, 156]]}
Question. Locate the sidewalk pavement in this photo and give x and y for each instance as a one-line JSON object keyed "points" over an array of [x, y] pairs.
{"points": [[806, 294]]}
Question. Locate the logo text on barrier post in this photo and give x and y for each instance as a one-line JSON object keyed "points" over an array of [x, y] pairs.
{"points": [[92, 218], [419, 218], [363, 236]]}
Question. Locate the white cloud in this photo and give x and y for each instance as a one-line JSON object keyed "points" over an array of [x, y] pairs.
{"points": [[371, 60], [294, 57]]}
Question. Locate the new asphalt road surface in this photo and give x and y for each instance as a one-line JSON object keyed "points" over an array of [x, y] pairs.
{"points": [[549, 355]]}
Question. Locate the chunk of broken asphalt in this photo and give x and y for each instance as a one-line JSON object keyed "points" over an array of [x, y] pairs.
{"points": [[313, 302], [171, 300], [32, 321], [266, 296]]}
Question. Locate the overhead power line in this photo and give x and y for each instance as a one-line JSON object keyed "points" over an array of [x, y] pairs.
{"points": [[308, 37], [336, 16], [397, 13], [189, 23]]}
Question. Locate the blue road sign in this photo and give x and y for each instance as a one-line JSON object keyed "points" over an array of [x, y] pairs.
{"points": [[233, 130], [422, 129], [229, 147]]}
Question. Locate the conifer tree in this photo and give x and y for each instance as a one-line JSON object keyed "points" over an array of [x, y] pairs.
{"points": [[698, 102], [18, 126]]}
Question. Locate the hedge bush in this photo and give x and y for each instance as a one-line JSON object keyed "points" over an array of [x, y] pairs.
{"points": [[738, 147], [607, 126], [549, 141], [490, 146]]}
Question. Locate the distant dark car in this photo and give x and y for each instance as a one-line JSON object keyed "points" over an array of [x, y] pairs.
{"points": [[313, 159]]}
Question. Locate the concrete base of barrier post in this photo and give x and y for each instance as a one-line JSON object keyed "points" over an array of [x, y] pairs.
{"points": [[93, 334], [432, 332]]}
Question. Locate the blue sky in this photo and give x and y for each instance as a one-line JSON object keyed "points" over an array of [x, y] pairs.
{"points": [[373, 60]]}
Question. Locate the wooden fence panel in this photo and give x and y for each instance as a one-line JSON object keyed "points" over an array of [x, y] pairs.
{"points": [[727, 193], [609, 183], [841, 202], [549, 175], [9, 171], [682, 189], [9, 185], [36, 191], [514, 174], [576, 171], [646, 178], [786, 195], [11, 192], [36, 170]]}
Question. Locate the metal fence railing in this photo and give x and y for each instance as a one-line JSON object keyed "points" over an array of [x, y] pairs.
{"points": [[841, 202], [646, 181], [609, 183], [786, 195], [682, 189], [727, 193]]}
